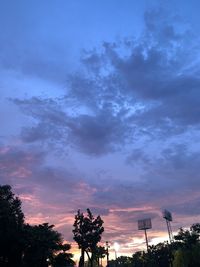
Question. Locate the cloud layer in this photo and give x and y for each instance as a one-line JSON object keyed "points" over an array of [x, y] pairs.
{"points": [[122, 136]]}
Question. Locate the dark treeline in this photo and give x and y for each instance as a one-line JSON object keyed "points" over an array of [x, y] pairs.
{"points": [[24, 245], [183, 252]]}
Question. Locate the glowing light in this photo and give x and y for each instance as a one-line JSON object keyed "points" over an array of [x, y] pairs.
{"points": [[116, 246]]}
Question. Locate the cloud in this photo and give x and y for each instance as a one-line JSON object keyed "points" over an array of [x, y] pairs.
{"points": [[98, 134], [45, 190], [17, 164], [138, 156], [131, 97], [92, 134], [135, 97], [125, 91]]}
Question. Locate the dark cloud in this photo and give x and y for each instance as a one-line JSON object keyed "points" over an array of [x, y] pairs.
{"points": [[98, 134], [93, 134], [170, 177], [126, 92], [188, 207], [134, 216], [49, 120], [180, 165]]}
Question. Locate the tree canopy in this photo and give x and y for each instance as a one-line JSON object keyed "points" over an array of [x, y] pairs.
{"points": [[24, 245], [183, 252], [87, 233], [11, 227]]}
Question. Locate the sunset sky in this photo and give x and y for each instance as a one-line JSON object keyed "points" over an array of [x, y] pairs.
{"points": [[100, 109]]}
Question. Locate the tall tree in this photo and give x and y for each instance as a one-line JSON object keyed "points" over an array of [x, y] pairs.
{"points": [[11, 228], [87, 233]]}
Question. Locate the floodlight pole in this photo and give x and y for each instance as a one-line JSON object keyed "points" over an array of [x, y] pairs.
{"points": [[169, 230], [144, 225], [145, 232], [170, 235], [170, 227], [168, 217], [167, 222]]}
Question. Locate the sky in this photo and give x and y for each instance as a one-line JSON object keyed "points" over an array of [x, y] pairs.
{"points": [[99, 109]]}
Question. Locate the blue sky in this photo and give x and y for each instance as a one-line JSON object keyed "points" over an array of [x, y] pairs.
{"points": [[100, 109]]}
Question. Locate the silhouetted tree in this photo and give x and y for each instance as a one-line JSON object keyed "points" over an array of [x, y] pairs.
{"points": [[138, 259], [63, 259], [160, 255], [42, 242], [188, 247], [190, 237], [87, 233], [184, 252], [122, 261], [11, 228], [100, 253], [23, 245]]}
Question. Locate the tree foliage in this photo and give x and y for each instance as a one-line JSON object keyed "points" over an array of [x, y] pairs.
{"points": [[87, 233], [63, 259], [11, 228], [183, 252], [188, 244], [42, 242], [122, 261], [100, 253], [24, 245]]}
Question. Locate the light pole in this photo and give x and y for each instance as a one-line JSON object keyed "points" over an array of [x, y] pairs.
{"points": [[168, 217], [144, 225], [107, 253], [48, 262]]}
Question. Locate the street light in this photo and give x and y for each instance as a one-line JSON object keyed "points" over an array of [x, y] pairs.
{"points": [[107, 253], [48, 262]]}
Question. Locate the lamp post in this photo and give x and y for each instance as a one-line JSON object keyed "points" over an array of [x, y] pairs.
{"points": [[48, 262], [107, 253]]}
